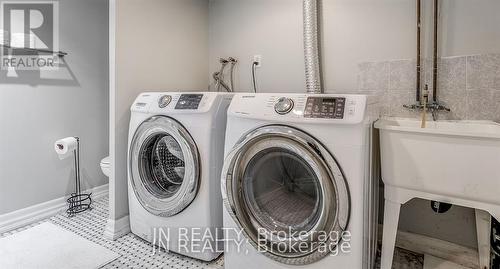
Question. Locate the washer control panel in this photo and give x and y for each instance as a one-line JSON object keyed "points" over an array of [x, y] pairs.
{"points": [[325, 107], [166, 103], [189, 101]]}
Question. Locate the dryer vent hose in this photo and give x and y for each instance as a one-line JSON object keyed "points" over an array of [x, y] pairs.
{"points": [[311, 9]]}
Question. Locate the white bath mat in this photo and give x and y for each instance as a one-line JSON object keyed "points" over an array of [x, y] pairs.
{"points": [[50, 246]]}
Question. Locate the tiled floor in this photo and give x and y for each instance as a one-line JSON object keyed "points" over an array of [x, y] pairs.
{"points": [[437, 263], [404, 259], [137, 253]]}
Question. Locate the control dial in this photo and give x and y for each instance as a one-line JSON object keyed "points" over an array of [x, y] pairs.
{"points": [[283, 106], [164, 101]]}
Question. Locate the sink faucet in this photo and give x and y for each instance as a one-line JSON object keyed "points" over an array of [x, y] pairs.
{"points": [[434, 107]]}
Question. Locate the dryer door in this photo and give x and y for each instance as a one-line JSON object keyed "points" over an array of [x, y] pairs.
{"points": [[163, 166], [287, 193]]}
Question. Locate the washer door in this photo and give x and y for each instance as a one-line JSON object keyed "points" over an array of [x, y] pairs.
{"points": [[287, 193], [164, 166]]}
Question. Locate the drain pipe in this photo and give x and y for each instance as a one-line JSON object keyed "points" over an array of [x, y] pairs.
{"points": [[311, 9]]}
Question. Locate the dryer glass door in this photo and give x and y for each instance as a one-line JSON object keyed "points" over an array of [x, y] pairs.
{"points": [[164, 166], [287, 193]]}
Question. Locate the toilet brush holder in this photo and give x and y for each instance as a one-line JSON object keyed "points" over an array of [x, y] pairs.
{"points": [[78, 202]]}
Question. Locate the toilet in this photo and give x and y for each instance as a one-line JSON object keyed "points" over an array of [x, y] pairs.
{"points": [[105, 166]]}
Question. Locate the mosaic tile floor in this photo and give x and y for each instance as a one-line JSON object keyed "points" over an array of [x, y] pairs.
{"points": [[403, 259], [137, 253]]}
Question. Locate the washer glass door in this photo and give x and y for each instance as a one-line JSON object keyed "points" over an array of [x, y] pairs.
{"points": [[164, 166], [282, 191], [287, 193]]}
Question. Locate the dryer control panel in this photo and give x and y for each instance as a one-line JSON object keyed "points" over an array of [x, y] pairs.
{"points": [[189, 101], [325, 107], [313, 108]]}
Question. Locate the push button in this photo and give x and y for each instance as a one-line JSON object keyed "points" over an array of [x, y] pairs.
{"points": [[351, 110]]}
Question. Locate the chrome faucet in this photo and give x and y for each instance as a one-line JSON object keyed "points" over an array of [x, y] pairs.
{"points": [[434, 107]]}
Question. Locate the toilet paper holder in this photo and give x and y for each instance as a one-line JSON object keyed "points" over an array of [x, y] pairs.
{"points": [[78, 202]]}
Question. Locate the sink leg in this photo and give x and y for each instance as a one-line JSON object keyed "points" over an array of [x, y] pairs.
{"points": [[391, 220], [483, 229]]}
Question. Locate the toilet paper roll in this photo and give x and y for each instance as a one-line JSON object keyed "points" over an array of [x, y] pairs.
{"points": [[64, 147]]}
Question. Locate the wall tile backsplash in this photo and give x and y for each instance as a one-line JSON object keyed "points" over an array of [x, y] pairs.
{"points": [[483, 72], [402, 75], [373, 76], [468, 85]]}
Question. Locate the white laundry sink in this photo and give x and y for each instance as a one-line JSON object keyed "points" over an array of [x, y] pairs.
{"points": [[459, 159]]}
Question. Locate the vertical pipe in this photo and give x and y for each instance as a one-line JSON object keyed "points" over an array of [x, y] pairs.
{"points": [[435, 60], [419, 57], [312, 46]]}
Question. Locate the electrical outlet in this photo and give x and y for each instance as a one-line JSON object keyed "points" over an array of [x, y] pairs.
{"points": [[257, 59]]}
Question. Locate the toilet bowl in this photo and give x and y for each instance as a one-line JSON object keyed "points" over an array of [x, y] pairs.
{"points": [[105, 166]]}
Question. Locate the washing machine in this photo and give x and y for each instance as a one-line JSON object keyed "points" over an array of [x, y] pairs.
{"points": [[297, 183], [176, 150]]}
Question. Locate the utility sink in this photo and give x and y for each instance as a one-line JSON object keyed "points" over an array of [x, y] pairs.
{"points": [[456, 162], [459, 159]]}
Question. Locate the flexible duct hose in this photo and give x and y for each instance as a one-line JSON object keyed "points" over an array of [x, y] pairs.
{"points": [[312, 46]]}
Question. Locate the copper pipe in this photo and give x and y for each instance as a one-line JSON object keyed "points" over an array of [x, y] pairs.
{"points": [[435, 60], [419, 60]]}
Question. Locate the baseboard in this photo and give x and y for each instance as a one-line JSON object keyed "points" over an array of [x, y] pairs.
{"points": [[117, 228], [26, 216], [445, 250]]}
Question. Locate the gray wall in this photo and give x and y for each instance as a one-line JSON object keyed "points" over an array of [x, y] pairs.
{"points": [[37, 108], [161, 45], [242, 28], [363, 40], [354, 31]]}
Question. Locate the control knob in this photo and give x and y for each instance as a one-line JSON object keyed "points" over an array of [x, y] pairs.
{"points": [[164, 101], [283, 106]]}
